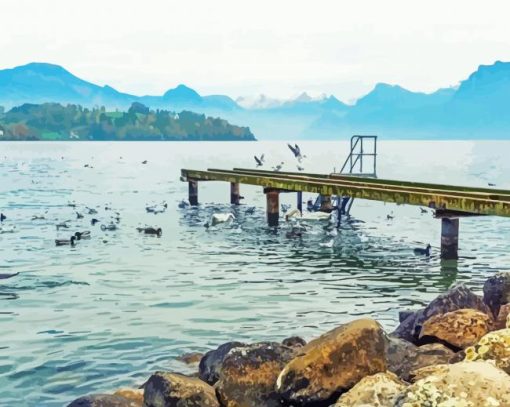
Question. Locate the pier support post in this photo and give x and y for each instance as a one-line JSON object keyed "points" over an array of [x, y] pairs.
{"points": [[449, 238], [234, 193], [326, 203], [273, 206], [193, 192], [300, 202]]}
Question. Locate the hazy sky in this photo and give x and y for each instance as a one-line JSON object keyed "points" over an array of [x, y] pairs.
{"points": [[246, 47]]}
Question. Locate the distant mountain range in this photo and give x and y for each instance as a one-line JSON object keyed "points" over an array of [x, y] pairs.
{"points": [[477, 108]]}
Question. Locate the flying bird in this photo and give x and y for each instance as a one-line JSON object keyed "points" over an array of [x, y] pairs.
{"points": [[296, 151], [278, 167], [259, 161]]}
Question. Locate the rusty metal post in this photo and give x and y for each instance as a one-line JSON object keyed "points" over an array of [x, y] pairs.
{"points": [[193, 192], [273, 206], [300, 202], [234, 193], [326, 203], [449, 238]]}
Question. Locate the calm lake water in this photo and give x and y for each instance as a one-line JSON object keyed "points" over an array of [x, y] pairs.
{"points": [[113, 309]]}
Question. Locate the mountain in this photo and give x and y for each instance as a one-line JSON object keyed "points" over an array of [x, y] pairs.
{"points": [[476, 108]]}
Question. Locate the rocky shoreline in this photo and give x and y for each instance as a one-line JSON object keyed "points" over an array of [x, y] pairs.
{"points": [[455, 352]]}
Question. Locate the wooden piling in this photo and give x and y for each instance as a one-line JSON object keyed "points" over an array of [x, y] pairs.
{"points": [[300, 201], [235, 197], [449, 238], [193, 192], [273, 206]]}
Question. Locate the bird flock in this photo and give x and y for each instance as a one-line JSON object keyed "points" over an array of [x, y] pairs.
{"points": [[296, 152]]}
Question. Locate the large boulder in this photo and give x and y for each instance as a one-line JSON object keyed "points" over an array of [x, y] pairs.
{"points": [[457, 329], [457, 297], [334, 362], [404, 357], [496, 291], [167, 389], [463, 384], [210, 364], [134, 395], [379, 390], [495, 347], [503, 315], [102, 400], [248, 375]]}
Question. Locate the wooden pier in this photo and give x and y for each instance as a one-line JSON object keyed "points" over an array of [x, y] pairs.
{"points": [[449, 202]]}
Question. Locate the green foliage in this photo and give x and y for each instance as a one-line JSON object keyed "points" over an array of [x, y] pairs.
{"points": [[53, 121]]}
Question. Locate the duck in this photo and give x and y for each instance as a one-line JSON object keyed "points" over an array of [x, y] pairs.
{"points": [[93, 221], [422, 210], [38, 217], [62, 225], [183, 204], [65, 242], [151, 231], [91, 211], [110, 226], [4, 229], [250, 211], [422, 252], [82, 235], [217, 218], [2, 217], [390, 217], [79, 215]]}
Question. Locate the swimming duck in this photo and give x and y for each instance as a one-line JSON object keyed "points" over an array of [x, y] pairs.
{"points": [[183, 204], [4, 229], [62, 225], [423, 252], [151, 231], [82, 235], [93, 221], [91, 211], [79, 215], [110, 226], [2, 217], [65, 242]]}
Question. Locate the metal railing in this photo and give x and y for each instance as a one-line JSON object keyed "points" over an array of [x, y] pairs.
{"points": [[353, 165]]}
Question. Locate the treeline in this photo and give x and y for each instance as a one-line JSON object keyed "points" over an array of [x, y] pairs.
{"points": [[53, 121]]}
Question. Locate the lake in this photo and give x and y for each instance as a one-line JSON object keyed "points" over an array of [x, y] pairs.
{"points": [[113, 309]]}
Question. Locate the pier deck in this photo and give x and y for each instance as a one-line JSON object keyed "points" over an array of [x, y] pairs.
{"points": [[450, 202]]}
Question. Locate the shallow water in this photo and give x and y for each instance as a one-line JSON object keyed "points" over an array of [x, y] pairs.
{"points": [[111, 310]]}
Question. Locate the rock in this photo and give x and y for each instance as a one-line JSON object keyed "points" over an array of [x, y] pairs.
{"points": [[379, 390], [134, 395], [211, 363], [403, 315], [457, 297], [294, 342], [501, 319], [166, 389], [495, 346], [458, 329], [404, 357], [334, 362], [191, 358], [463, 384], [496, 291], [102, 400], [248, 375]]}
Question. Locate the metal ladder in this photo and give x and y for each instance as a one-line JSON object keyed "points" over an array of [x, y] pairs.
{"points": [[353, 165]]}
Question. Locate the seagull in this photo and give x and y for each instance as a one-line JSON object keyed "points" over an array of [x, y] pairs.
{"points": [[110, 226], [390, 217], [217, 218], [491, 184], [423, 210], [278, 167], [79, 215], [151, 231], [300, 168], [285, 207], [82, 235], [296, 151], [262, 158], [423, 252], [327, 244], [144, 162], [259, 161]]}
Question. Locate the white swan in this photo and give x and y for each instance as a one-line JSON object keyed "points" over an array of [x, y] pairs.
{"points": [[217, 218], [307, 216]]}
